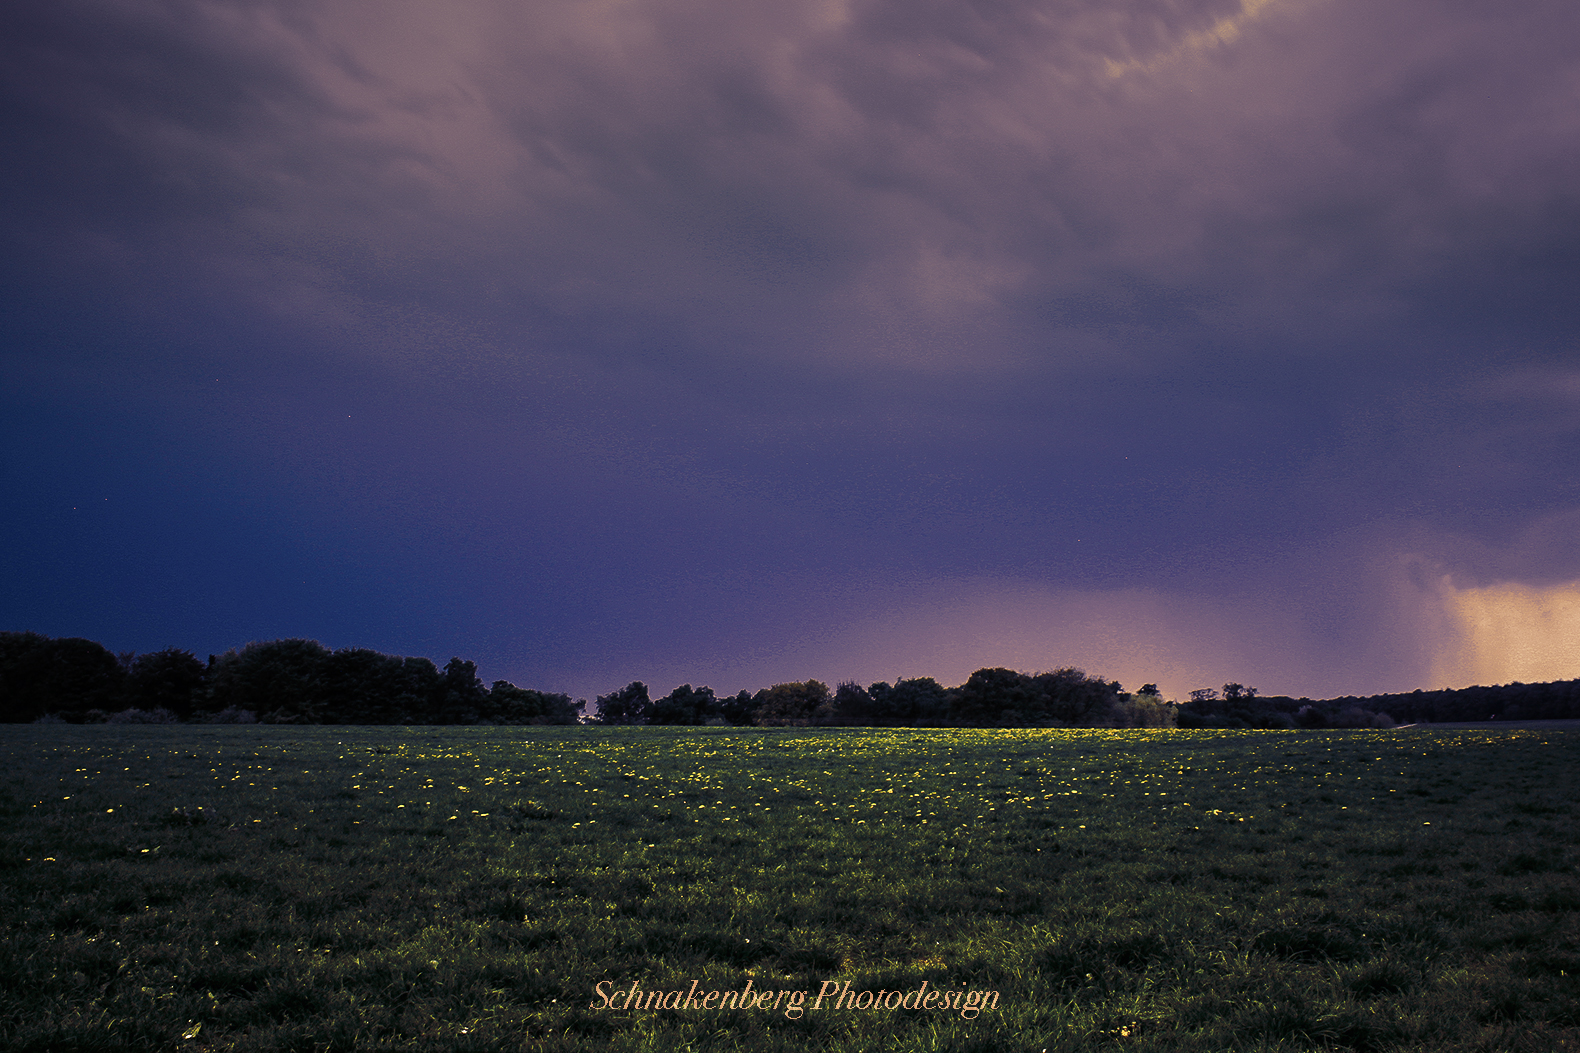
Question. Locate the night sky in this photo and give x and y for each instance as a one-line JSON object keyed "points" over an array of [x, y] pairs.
{"points": [[732, 343]]}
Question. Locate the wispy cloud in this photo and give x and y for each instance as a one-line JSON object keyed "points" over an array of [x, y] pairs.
{"points": [[1224, 30]]}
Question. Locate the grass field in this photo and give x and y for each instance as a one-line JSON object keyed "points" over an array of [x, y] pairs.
{"points": [[259, 888]]}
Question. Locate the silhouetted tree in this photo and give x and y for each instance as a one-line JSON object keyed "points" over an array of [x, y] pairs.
{"points": [[796, 704], [509, 704], [852, 704], [629, 705], [68, 676], [995, 696], [922, 700], [280, 680], [422, 689], [464, 695], [20, 654], [686, 706], [1069, 698], [171, 679], [361, 686], [909, 701], [740, 709]]}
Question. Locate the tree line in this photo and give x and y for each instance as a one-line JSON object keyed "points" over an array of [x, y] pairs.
{"points": [[276, 682], [990, 698], [302, 682], [1242, 707]]}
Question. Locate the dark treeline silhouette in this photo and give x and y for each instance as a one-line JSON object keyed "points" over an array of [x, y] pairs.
{"points": [[1239, 706], [991, 698], [278, 682], [303, 682]]}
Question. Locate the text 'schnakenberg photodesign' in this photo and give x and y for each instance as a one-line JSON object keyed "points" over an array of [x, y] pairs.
{"points": [[835, 994]]}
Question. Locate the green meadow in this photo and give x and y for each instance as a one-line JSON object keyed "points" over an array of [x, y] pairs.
{"points": [[277, 888]]}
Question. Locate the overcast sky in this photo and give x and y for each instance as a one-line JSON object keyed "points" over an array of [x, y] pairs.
{"points": [[731, 343]]}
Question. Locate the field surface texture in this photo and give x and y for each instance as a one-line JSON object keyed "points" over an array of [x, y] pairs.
{"points": [[262, 888]]}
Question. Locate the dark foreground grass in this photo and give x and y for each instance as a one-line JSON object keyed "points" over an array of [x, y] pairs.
{"points": [[262, 888]]}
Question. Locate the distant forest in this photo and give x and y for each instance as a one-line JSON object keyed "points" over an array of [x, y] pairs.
{"points": [[78, 681], [1237, 707]]}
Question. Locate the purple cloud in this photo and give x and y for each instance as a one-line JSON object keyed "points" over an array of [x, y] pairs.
{"points": [[589, 339]]}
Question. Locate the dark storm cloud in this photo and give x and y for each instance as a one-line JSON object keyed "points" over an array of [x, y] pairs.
{"points": [[840, 326]]}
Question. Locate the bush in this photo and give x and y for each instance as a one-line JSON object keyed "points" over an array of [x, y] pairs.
{"points": [[1356, 717], [233, 715], [1311, 717], [50, 718], [143, 716], [1140, 711]]}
